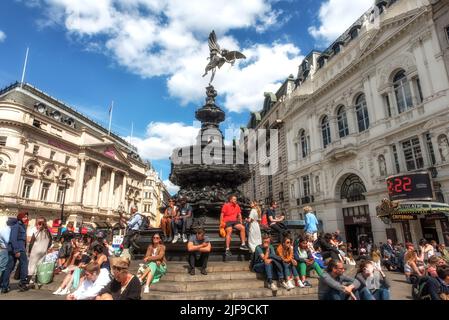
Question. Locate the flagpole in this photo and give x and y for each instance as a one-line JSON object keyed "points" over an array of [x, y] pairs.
{"points": [[110, 117], [24, 67], [132, 130]]}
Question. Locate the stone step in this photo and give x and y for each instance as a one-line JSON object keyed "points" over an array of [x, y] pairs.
{"points": [[213, 266], [250, 293], [219, 276]]}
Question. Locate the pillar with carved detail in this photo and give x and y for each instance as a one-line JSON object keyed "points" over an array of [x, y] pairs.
{"points": [[111, 190], [79, 188], [97, 185]]}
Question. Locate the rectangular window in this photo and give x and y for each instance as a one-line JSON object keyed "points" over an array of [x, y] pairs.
{"points": [[67, 159], [61, 191], [36, 150], [280, 163], [281, 192], [396, 159], [430, 150], [387, 105], [412, 154], [254, 186], [37, 123], [52, 155], [3, 141], [306, 185], [270, 185], [27, 189], [44, 192], [447, 33]]}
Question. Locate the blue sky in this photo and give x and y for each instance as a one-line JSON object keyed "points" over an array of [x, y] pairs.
{"points": [[148, 56]]}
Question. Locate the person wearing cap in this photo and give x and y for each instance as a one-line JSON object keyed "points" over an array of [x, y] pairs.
{"points": [[124, 286], [17, 251]]}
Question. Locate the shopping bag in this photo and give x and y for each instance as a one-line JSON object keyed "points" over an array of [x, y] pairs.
{"points": [[45, 272]]}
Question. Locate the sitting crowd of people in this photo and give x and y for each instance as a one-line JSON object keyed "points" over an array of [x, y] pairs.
{"points": [[92, 272]]}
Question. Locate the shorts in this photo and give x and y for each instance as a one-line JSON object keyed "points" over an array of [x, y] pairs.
{"points": [[232, 224]]}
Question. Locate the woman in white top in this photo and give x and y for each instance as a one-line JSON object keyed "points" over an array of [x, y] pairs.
{"points": [[254, 236]]}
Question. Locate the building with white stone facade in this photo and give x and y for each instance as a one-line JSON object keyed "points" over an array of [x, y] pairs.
{"points": [[155, 196], [44, 143], [264, 187], [374, 104]]}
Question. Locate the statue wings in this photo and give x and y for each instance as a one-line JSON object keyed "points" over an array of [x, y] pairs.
{"points": [[213, 45], [218, 57]]}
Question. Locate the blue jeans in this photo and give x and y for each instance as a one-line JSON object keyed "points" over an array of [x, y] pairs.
{"points": [[380, 294], [272, 270], [3, 261], [289, 269], [179, 226], [333, 294], [23, 265]]}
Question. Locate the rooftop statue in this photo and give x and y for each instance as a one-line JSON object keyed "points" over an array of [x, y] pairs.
{"points": [[218, 57]]}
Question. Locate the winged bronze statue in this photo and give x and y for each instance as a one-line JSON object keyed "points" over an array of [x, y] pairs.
{"points": [[218, 57]]}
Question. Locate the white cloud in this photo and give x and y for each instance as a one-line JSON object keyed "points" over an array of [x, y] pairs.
{"points": [[172, 189], [169, 38], [162, 137], [2, 36], [336, 16]]}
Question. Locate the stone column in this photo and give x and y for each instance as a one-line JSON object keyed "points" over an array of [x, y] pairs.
{"points": [[436, 148], [124, 191], [97, 185], [352, 120], [111, 189], [79, 189], [393, 102]]}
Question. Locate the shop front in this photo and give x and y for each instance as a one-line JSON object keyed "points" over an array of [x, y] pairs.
{"points": [[417, 219]]}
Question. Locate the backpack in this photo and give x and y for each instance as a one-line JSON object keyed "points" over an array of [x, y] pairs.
{"points": [[264, 220], [418, 289], [145, 223]]}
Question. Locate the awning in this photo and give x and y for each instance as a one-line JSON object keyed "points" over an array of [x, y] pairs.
{"points": [[396, 211]]}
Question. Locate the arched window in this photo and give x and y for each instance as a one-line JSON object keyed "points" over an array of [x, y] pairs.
{"points": [[402, 91], [353, 189], [326, 131], [361, 110], [304, 143], [343, 129]]}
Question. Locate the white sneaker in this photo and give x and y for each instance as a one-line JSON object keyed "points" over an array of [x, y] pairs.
{"points": [[146, 289], [64, 292], [176, 238], [273, 286], [301, 284], [291, 284], [57, 291], [184, 238], [285, 285]]}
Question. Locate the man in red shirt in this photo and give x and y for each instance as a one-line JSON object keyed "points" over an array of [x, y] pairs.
{"points": [[231, 217]]}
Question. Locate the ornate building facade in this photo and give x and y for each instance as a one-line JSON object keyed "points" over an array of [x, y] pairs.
{"points": [[265, 186], [50, 154], [155, 196], [374, 104]]}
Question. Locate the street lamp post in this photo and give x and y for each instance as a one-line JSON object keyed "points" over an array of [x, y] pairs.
{"points": [[62, 207]]}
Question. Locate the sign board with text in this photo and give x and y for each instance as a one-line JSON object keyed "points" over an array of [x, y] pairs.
{"points": [[410, 186]]}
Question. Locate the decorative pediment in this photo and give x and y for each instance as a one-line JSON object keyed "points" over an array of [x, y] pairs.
{"points": [[436, 122], [388, 28], [109, 151]]}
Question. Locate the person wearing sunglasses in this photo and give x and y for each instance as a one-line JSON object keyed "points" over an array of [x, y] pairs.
{"points": [[156, 264], [334, 285], [285, 251], [124, 286]]}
